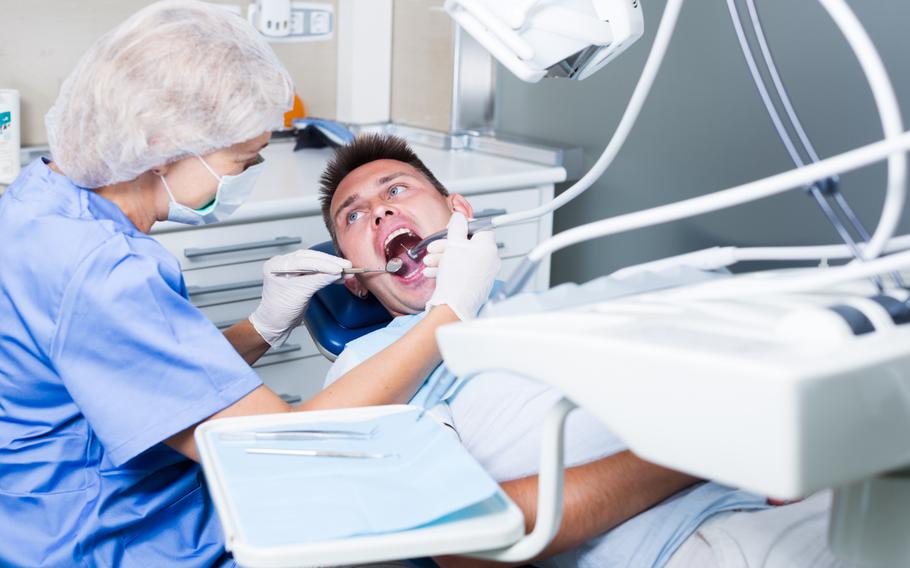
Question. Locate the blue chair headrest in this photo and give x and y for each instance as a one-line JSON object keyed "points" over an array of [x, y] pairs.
{"points": [[335, 316]]}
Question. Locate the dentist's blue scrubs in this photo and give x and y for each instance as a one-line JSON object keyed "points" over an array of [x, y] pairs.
{"points": [[102, 357]]}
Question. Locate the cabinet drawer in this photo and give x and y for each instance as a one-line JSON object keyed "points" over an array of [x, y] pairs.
{"points": [[214, 246], [301, 377], [226, 314], [508, 268], [298, 346], [492, 204], [199, 280], [516, 239], [229, 293]]}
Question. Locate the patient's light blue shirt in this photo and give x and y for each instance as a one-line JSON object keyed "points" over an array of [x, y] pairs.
{"points": [[648, 539]]}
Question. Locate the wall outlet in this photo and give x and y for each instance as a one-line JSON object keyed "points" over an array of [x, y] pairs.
{"points": [[309, 21]]}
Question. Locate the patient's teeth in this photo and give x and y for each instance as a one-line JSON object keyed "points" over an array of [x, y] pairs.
{"points": [[395, 233]]}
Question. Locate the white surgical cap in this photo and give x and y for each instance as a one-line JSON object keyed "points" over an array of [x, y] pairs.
{"points": [[177, 77]]}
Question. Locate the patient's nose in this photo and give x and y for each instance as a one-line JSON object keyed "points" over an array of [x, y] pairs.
{"points": [[383, 213]]}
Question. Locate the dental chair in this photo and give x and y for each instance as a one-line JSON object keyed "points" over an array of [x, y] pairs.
{"points": [[335, 316]]}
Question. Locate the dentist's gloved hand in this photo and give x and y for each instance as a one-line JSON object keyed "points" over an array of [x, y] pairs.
{"points": [[285, 297], [464, 268]]}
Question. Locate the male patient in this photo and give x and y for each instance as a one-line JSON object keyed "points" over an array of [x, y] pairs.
{"points": [[378, 199]]}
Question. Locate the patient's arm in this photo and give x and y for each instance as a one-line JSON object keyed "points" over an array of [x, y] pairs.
{"points": [[393, 375], [597, 497]]}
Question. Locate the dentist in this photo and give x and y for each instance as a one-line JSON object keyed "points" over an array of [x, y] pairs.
{"points": [[106, 368]]}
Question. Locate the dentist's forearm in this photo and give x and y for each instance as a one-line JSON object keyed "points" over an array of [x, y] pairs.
{"points": [[393, 375], [246, 341]]}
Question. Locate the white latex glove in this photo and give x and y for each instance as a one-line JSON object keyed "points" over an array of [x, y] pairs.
{"points": [[285, 297], [464, 268]]}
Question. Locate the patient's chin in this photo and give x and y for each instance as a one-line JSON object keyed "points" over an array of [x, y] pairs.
{"points": [[414, 298], [402, 298]]}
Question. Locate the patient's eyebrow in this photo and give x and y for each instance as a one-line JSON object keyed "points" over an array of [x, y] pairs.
{"points": [[345, 204], [386, 179]]}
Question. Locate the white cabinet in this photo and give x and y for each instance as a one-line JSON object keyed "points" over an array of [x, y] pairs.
{"points": [[222, 266]]}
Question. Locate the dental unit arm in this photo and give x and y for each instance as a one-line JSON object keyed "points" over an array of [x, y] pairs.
{"points": [[794, 381]]}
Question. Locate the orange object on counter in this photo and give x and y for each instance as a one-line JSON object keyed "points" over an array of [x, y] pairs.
{"points": [[297, 111]]}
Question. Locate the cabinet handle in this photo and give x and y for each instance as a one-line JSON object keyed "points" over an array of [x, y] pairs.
{"points": [[500, 245], [290, 398], [489, 213], [230, 287], [287, 348], [193, 252]]}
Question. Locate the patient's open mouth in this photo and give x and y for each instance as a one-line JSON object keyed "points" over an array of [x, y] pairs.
{"points": [[396, 245]]}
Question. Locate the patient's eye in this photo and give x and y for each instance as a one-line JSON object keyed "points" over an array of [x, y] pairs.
{"points": [[353, 216], [396, 190]]}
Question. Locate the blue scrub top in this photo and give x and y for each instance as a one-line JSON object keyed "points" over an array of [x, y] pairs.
{"points": [[102, 357]]}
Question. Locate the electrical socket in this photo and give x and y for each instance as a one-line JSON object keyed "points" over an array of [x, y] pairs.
{"points": [[309, 21]]}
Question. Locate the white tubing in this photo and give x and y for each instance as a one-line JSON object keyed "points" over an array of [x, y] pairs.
{"points": [[819, 252], [714, 258], [889, 111], [815, 280], [649, 72], [744, 193]]}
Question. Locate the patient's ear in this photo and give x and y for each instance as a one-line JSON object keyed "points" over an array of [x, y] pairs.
{"points": [[356, 287], [460, 204]]}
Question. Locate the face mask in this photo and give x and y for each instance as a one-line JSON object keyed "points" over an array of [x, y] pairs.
{"points": [[232, 192]]}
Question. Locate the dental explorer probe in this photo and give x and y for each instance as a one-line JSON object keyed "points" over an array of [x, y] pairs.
{"points": [[320, 453], [392, 266]]}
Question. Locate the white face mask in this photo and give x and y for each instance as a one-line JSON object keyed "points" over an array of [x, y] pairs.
{"points": [[232, 192]]}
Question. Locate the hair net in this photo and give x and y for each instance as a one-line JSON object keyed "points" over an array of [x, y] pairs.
{"points": [[177, 77]]}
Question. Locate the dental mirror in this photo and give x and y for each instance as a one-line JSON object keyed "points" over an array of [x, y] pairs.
{"points": [[394, 265]]}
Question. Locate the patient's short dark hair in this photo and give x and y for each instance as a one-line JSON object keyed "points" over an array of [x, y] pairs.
{"points": [[363, 150]]}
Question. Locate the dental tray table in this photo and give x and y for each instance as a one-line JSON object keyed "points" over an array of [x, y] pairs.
{"points": [[364, 498]]}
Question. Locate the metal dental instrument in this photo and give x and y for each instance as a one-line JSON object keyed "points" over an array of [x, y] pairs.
{"points": [[319, 453], [474, 225], [293, 435], [393, 266]]}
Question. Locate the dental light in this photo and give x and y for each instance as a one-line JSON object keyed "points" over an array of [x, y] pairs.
{"points": [[541, 38]]}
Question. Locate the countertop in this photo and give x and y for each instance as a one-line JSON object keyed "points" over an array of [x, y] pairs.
{"points": [[289, 183]]}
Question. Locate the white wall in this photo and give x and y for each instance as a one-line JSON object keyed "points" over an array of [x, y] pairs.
{"points": [[41, 41]]}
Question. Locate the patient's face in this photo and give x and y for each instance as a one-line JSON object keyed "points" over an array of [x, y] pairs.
{"points": [[379, 211]]}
